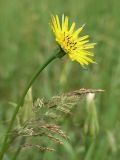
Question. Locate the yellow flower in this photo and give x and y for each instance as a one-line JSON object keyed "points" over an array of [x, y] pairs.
{"points": [[70, 42]]}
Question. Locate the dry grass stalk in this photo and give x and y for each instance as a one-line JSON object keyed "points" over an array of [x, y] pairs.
{"points": [[47, 115]]}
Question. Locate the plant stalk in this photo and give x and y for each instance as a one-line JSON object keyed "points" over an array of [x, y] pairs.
{"points": [[59, 54]]}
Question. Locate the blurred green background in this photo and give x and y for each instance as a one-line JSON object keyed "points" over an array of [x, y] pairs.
{"points": [[26, 41]]}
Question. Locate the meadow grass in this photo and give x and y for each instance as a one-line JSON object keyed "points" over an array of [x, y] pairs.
{"points": [[26, 41]]}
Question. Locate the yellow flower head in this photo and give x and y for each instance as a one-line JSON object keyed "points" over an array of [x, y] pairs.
{"points": [[70, 41]]}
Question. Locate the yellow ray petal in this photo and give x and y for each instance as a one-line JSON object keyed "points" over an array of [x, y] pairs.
{"points": [[87, 59], [83, 38], [83, 42], [84, 52], [88, 46], [82, 61], [72, 28], [63, 21], [58, 22], [66, 23], [54, 23], [76, 33]]}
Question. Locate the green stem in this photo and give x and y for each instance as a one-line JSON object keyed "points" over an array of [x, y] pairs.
{"points": [[59, 54], [18, 149]]}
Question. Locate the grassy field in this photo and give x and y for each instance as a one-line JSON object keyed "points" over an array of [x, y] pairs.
{"points": [[26, 41]]}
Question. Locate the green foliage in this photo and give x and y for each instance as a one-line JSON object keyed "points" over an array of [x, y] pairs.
{"points": [[26, 41]]}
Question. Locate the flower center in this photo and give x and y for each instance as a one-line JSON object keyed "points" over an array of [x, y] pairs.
{"points": [[69, 43]]}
